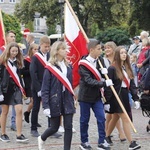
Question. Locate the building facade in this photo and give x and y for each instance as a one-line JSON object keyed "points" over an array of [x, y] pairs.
{"points": [[8, 7]]}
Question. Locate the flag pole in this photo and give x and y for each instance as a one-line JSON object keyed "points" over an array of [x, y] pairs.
{"points": [[77, 20], [1, 19]]}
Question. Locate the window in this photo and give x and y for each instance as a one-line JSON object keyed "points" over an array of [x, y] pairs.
{"points": [[1, 1], [12, 1]]}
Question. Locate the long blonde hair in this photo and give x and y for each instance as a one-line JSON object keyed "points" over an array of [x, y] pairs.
{"points": [[6, 55], [53, 53]]}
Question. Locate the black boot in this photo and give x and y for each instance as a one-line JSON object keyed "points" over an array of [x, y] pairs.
{"points": [[26, 116]]}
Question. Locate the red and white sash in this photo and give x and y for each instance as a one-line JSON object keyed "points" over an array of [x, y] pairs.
{"points": [[40, 58], [61, 77], [126, 80], [15, 77], [91, 68], [95, 72], [28, 59]]}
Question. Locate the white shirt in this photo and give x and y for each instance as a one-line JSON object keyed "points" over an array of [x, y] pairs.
{"points": [[91, 60], [45, 56], [63, 69], [14, 67]]}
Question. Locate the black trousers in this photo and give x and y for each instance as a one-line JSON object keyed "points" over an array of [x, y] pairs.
{"points": [[35, 110], [55, 123]]}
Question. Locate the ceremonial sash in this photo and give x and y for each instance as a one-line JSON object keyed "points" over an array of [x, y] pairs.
{"points": [[15, 77], [40, 58], [61, 77], [126, 80], [28, 59], [91, 68], [95, 73]]}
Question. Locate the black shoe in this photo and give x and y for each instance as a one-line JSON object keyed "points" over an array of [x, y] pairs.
{"points": [[85, 146], [134, 146], [21, 138], [26, 116], [109, 141], [147, 128], [4, 138], [13, 128], [35, 133], [38, 125], [103, 146], [56, 135]]}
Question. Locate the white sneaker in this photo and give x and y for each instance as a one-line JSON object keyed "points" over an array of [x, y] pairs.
{"points": [[61, 129], [40, 143], [73, 130]]}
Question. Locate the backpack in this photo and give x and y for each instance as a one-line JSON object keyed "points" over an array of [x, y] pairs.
{"points": [[145, 104]]}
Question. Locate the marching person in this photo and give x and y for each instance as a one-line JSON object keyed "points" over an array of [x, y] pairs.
{"points": [[37, 65], [11, 90], [58, 100], [27, 78], [90, 97], [122, 76], [109, 49]]}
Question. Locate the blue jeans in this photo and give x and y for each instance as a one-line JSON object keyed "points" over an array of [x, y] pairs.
{"points": [[98, 110]]}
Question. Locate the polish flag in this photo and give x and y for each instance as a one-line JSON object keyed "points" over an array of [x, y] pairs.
{"points": [[2, 33], [77, 43]]}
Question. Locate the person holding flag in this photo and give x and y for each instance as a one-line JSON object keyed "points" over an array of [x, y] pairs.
{"points": [[11, 89], [122, 76], [90, 96], [58, 100]]}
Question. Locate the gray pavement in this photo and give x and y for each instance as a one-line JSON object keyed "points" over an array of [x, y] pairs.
{"points": [[141, 136]]}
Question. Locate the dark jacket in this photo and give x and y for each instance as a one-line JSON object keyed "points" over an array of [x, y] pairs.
{"points": [[36, 72], [51, 94], [117, 85], [89, 86], [147, 80], [5, 79]]}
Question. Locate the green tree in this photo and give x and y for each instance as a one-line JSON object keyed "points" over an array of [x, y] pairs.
{"points": [[12, 23], [118, 35], [102, 13], [140, 16]]}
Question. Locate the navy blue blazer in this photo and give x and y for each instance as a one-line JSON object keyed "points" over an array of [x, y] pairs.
{"points": [[52, 96], [36, 72]]}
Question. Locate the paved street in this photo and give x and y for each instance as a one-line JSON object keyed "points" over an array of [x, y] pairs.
{"points": [[141, 136]]}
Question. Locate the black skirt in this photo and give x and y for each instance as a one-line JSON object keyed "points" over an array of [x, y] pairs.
{"points": [[13, 96]]}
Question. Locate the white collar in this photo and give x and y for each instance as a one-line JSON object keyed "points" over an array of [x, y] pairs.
{"points": [[91, 59]]}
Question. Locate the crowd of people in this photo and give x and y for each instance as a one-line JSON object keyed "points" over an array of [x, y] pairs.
{"points": [[43, 74]]}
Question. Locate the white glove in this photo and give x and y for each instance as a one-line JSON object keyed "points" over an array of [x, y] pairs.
{"points": [[137, 105], [1, 98], [107, 107], [109, 82], [104, 71], [46, 112], [39, 94]]}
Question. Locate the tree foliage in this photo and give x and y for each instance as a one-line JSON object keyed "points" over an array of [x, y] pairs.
{"points": [[12, 23], [99, 14], [140, 16], [118, 35]]}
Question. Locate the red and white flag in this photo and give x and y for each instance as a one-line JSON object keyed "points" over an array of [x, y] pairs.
{"points": [[76, 41], [2, 32]]}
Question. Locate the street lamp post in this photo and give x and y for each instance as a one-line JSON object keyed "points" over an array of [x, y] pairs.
{"points": [[61, 2]]}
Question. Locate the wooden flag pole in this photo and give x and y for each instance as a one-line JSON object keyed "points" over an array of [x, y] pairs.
{"points": [[76, 19], [118, 99], [2, 24]]}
